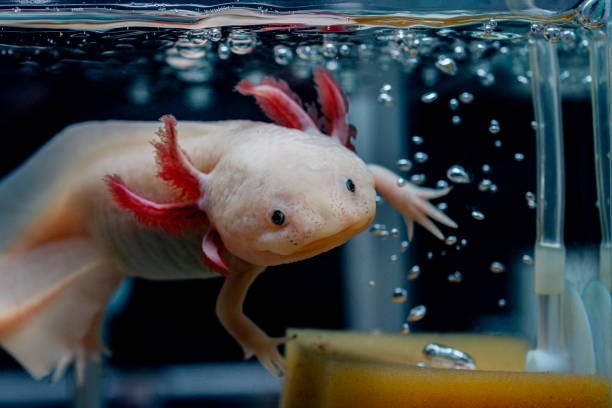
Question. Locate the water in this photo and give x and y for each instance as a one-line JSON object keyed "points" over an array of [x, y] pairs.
{"points": [[462, 83]]}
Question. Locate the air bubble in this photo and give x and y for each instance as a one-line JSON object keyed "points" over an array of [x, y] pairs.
{"points": [[527, 259], [484, 185], [477, 215], [417, 140], [214, 34], [429, 97], [450, 240], [456, 120], [418, 179], [456, 277], [501, 302], [404, 246], [303, 51], [393, 259], [386, 88], [453, 104], [385, 99], [405, 329], [282, 54], [497, 143], [377, 229], [552, 34], [371, 284], [400, 295], [404, 164], [379, 200], [448, 357], [568, 36], [421, 157], [486, 168], [534, 125], [394, 232], [241, 41], [532, 205], [466, 97], [457, 174], [330, 49], [494, 127], [346, 49], [536, 28], [493, 188], [400, 181], [417, 313], [519, 157], [430, 255], [464, 242], [446, 65], [442, 206], [442, 184], [497, 267], [414, 272]]}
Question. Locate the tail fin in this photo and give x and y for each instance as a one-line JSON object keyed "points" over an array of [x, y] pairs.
{"points": [[52, 299]]}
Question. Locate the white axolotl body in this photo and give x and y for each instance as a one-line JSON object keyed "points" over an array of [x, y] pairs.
{"points": [[99, 203]]}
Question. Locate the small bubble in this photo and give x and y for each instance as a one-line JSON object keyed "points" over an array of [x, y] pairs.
{"points": [[430, 255], [282, 54], [429, 97], [501, 302], [404, 164], [400, 295], [446, 65], [386, 88], [519, 157], [421, 364], [303, 51], [488, 79], [486, 168], [464, 242], [414, 272], [466, 97], [442, 184], [214, 34], [371, 284], [404, 246], [417, 140], [477, 215], [393, 259], [457, 174], [379, 199], [384, 235], [394, 232], [529, 196], [241, 41], [456, 277], [527, 259], [484, 185], [400, 181], [405, 329], [418, 179], [536, 28], [493, 188], [416, 313], [532, 205], [497, 267], [534, 125], [450, 240], [442, 206], [385, 99], [497, 143], [456, 120], [494, 127], [453, 104], [377, 229], [522, 79], [330, 49], [568, 36], [459, 51], [421, 157], [346, 49], [552, 34]]}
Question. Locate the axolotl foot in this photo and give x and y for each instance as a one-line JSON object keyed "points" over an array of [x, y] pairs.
{"points": [[266, 351], [411, 201]]}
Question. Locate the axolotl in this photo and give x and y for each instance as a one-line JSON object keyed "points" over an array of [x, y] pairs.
{"points": [[97, 204]]}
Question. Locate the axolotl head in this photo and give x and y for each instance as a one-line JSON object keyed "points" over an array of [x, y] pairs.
{"points": [[281, 195]]}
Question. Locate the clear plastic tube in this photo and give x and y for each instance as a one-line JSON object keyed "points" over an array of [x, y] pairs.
{"points": [[599, 65], [549, 248]]}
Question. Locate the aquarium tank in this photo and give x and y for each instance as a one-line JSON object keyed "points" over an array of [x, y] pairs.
{"points": [[505, 103]]}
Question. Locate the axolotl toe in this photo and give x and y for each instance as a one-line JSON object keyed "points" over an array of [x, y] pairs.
{"points": [[99, 203]]}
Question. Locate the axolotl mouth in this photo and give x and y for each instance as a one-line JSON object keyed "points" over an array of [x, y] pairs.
{"points": [[327, 243]]}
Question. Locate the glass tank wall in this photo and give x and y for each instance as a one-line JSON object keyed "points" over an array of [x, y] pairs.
{"points": [[507, 103]]}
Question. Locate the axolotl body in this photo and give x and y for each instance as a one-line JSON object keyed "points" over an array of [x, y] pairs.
{"points": [[95, 205]]}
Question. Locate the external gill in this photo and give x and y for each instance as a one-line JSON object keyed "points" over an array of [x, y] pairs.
{"points": [[173, 217]]}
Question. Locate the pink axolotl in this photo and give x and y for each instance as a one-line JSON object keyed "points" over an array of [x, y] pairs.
{"points": [[95, 205]]}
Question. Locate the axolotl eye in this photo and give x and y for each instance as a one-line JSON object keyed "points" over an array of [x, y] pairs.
{"points": [[350, 186], [278, 217]]}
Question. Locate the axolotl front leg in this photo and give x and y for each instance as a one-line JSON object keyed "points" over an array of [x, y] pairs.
{"points": [[285, 108], [190, 213]]}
